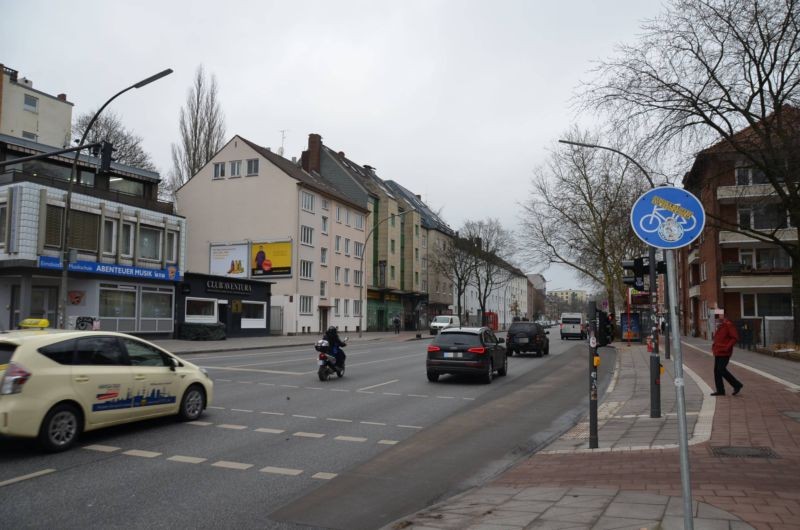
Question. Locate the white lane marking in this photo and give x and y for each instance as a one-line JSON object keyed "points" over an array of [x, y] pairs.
{"points": [[308, 434], [225, 380], [281, 471], [26, 477], [323, 476], [387, 442], [304, 417], [787, 384], [231, 426], [289, 386], [339, 419], [200, 423], [270, 431], [314, 388], [391, 394], [143, 454], [272, 413], [267, 384], [350, 439], [409, 426], [364, 392], [231, 369], [468, 399], [245, 382], [102, 448], [394, 358], [445, 397], [217, 408], [371, 423], [231, 465], [339, 390], [187, 459], [241, 410], [418, 395], [379, 384]]}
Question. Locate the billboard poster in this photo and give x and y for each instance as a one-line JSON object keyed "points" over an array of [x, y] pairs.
{"points": [[630, 330], [228, 260], [271, 259]]}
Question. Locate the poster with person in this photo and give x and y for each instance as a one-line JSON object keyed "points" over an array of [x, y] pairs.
{"points": [[271, 259]]}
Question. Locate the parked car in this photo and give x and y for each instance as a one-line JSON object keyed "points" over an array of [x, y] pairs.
{"points": [[475, 351], [526, 337], [444, 321], [573, 325], [55, 384]]}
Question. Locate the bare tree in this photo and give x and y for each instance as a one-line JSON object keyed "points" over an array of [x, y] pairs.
{"points": [[456, 262], [577, 214], [723, 73], [491, 244], [202, 129], [108, 127]]}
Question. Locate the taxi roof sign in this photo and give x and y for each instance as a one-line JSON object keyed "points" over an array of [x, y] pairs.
{"points": [[34, 323]]}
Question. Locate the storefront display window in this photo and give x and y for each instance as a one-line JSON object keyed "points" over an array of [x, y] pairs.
{"points": [[201, 310], [254, 315]]}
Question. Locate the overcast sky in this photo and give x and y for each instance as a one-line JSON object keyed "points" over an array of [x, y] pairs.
{"points": [[457, 101]]}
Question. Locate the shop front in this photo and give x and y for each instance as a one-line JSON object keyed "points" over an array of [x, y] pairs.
{"points": [[238, 307]]}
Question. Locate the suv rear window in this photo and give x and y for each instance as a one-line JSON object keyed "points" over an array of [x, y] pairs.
{"points": [[457, 339], [6, 351], [528, 327], [570, 320]]}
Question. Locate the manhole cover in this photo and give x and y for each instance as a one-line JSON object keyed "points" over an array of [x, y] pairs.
{"points": [[745, 452]]}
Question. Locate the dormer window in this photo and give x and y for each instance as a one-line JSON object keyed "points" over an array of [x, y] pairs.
{"points": [[219, 170]]}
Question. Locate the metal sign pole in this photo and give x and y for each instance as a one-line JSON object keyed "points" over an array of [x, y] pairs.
{"points": [[655, 361], [668, 327], [593, 441], [683, 440]]}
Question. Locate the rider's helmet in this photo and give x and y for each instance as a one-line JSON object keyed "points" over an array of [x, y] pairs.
{"points": [[332, 330]]}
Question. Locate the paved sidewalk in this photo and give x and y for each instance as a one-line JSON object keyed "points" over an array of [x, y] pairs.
{"points": [[633, 480]]}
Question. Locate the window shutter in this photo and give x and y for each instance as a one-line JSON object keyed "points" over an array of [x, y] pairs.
{"points": [[52, 235]]}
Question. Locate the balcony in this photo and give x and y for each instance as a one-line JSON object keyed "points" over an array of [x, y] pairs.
{"points": [[739, 194], [738, 276], [694, 291], [728, 238], [694, 255]]}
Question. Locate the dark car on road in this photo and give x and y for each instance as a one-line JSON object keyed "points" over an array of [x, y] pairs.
{"points": [[527, 337], [475, 351]]}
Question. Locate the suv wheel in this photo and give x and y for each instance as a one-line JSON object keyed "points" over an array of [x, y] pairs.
{"points": [[504, 370], [489, 374], [433, 377]]}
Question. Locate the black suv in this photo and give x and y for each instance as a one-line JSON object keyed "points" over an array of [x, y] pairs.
{"points": [[525, 337], [475, 351]]}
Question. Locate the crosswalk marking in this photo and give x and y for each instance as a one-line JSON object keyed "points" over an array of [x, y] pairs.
{"points": [[231, 426], [387, 442], [187, 459], [200, 423], [143, 454], [350, 439], [323, 476], [102, 448], [308, 434], [270, 431], [231, 465], [241, 410], [281, 471]]}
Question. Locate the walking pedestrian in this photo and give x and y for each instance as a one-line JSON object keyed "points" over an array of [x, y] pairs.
{"points": [[725, 339], [396, 322]]}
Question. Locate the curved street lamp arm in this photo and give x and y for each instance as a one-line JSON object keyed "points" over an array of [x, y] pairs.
{"points": [[629, 158]]}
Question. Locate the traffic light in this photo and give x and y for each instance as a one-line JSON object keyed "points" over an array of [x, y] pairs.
{"points": [[106, 151], [605, 329], [637, 267]]}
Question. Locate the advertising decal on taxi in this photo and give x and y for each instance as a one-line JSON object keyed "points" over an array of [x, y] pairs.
{"points": [[109, 398]]}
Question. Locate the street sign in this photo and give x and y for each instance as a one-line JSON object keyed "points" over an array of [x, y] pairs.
{"points": [[668, 217]]}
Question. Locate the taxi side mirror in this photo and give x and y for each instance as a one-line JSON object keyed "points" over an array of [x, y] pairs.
{"points": [[173, 363]]}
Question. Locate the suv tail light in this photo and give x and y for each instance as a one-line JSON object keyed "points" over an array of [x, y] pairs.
{"points": [[479, 350], [433, 349], [16, 376]]}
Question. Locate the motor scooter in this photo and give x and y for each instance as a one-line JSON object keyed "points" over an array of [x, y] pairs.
{"points": [[327, 361]]}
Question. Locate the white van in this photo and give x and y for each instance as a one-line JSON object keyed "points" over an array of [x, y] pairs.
{"points": [[573, 325], [444, 321]]}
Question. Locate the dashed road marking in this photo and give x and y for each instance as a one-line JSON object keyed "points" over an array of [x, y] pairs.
{"points": [[200, 423], [314, 388], [409, 426], [387, 442], [364, 392], [340, 420], [418, 395], [270, 431], [232, 426], [379, 384], [445, 397], [372, 423], [304, 417], [187, 459], [225, 380], [234, 369], [26, 477], [245, 382], [324, 476], [281, 471], [289, 386], [102, 448], [231, 465], [468, 399], [217, 408], [308, 434], [142, 454], [264, 384], [339, 390], [391, 394], [241, 410], [272, 413], [350, 439]]}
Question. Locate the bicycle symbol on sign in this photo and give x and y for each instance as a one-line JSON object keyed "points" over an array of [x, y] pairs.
{"points": [[669, 225]]}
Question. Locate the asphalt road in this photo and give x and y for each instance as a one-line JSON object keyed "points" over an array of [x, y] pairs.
{"points": [[280, 449]]}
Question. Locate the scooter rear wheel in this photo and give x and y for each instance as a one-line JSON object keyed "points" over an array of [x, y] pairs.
{"points": [[322, 373], [340, 372]]}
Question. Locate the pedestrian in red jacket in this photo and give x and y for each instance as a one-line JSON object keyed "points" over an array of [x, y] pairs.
{"points": [[725, 339]]}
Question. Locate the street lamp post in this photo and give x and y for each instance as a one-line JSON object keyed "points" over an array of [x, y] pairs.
{"points": [[363, 279], [68, 201]]}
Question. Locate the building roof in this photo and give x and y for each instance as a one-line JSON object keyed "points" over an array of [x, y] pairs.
{"points": [[428, 218], [364, 175]]}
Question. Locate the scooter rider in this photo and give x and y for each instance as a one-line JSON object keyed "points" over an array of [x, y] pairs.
{"points": [[332, 336]]}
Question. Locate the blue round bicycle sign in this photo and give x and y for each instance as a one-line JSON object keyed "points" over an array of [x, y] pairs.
{"points": [[668, 217]]}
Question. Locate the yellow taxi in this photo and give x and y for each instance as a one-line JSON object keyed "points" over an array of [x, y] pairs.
{"points": [[55, 384]]}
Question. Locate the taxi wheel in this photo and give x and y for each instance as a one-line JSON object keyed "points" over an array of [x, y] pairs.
{"points": [[193, 403], [61, 428]]}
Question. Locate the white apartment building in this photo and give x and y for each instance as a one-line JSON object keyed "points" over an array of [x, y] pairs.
{"points": [[254, 214], [28, 113], [508, 300]]}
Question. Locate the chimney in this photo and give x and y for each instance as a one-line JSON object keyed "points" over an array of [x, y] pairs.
{"points": [[370, 169], [62, 97], [312, 161], [341, 154], [419, 197]]}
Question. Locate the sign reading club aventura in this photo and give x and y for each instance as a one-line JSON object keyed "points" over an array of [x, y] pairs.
{"points": [[170, 274], [668, 217]]}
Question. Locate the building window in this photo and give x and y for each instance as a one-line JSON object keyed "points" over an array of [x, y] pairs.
{"points": [[157, 308], [30, 136], [336, 307], [31, 103], [150, 243], [3, 215], [356, 308], [305, 304], [424, 241], [306, 269], [118, 303], [127, 240], [416, 278], [747, 176], [347, 217], [236, 168], [325, 204], [323, 256], [703, 272], [84, 229], [338, 214], [323, 289], [425, 286], [392, 221], [254, 315], [391, 245], [201, 310], [347, 276], [416, 230], [347, 246], [109, 236], [357, 275], [252, 167], [219, 170], [772, 258], [424, 264], [767, 305], [358, 249], [336, 274], [391, 272], [324, 224], [416, 254], [765, 217], [748, 305], [172, 246], [126, 186], [359, 221], [346, 307], [306, 235], [337, 247], [307, 201]]}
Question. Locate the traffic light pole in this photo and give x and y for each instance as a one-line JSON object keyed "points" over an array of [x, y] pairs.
{"points": [[593, 320], [655, 361]]}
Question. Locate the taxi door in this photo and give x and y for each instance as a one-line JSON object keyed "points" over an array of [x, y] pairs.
{"points": [[158, 387], [102, 380]]}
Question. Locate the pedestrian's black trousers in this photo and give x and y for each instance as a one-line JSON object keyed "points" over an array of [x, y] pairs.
{"points": [[721, 372]]}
